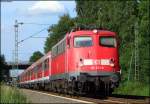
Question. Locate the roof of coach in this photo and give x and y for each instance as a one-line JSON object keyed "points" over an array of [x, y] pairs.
{"points": [[37, 62], [40, 60]]}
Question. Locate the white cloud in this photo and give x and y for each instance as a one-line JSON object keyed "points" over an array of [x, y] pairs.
{"points": [[46, 7]]}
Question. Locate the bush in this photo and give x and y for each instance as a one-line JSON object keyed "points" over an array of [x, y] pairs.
{"points": [[11, 95], [133, 88]]}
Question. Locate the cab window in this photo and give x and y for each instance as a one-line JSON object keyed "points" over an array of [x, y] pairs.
{"points": [[85, 41], [46, 64], [107, 41]]}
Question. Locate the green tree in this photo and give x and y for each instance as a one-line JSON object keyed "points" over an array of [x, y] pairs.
{"points": [[58, 31], [144, 29], [87, 11], [36, 55], [2, 67]]}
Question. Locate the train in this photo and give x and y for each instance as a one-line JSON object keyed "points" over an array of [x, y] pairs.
{"points": [[84, 61]]}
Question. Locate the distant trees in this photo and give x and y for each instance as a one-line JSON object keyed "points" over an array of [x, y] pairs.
{"points": [[2, 67], [144, 31], [36, 55]]}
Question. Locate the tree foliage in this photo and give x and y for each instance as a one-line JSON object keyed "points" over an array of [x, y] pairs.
{"points": [[144, 30], [2, 67], [58, 31], [36, 55]]}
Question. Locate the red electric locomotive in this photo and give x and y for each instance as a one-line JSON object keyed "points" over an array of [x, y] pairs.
{"points": [[84, 61]]}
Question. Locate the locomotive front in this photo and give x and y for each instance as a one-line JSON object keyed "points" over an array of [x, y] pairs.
{"points": [[95, 59]]}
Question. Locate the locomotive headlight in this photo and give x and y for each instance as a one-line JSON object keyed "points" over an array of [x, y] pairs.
{"points": [[95, 31], [112, 65]]}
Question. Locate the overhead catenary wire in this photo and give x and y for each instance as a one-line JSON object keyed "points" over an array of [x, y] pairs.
{"points": [[39, 37], [35, 23], [31, 36]]}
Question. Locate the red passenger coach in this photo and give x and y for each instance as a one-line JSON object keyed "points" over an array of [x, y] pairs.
{"points": [[37, 74], [83, 61]]}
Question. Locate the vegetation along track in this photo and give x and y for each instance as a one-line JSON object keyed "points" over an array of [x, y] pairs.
{"points": [[99, 99]]}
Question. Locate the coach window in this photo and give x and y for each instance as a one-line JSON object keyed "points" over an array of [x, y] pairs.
{"points": [[64, 45], [30, 74], [84, 41], [43, 65], [27, 74], [46, 64], [35, 70], [59, 48], [40, 66], [54, 51]]}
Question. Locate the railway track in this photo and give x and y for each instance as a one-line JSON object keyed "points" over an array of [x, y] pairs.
{"points": [[113, 99]]}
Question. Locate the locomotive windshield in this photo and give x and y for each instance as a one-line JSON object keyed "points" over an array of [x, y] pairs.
{"points": [[85, 41], [107, 41]]}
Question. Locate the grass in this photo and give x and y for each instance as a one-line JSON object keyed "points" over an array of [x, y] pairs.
{"points": [[133, 88], [14, 95], [11, 95]]}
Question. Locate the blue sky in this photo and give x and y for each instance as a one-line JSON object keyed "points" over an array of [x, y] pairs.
{"points": [[44, 12]]}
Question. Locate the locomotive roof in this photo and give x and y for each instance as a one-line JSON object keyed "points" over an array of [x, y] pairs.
{"points": [[90, 32]]}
